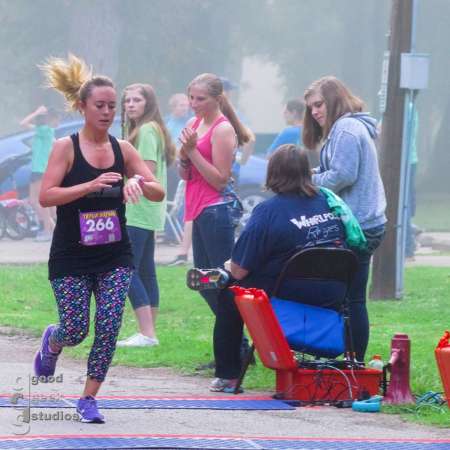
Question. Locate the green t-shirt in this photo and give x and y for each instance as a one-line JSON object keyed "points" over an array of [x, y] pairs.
{"points": [[40, 147], [146, 214]]}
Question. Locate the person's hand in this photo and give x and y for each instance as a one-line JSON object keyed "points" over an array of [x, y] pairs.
{"points": [[104, 181], [41, 110], [188, 139], [132, 191]]}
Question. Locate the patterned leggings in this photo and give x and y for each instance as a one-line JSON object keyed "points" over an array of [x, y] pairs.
{"points": [[73, 297]]}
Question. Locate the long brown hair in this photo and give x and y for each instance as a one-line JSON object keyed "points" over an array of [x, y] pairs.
{"points": [[151, 114], [289, 172], [214, 87], [338, 99], [73, 78]]}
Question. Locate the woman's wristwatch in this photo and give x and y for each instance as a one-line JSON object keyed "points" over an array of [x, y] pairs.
{"points": [[184, 163], [139, 179]]}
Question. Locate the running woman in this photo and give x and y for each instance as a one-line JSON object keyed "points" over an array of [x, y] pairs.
{"points": [[89, 178]]}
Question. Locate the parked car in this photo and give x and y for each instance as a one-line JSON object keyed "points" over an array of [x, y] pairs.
{"points": [[251, 185], [253, 175], [251, 180], [20, 144]]}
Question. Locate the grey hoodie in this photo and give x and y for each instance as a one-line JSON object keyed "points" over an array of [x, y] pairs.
{"points": [[349, 167]]}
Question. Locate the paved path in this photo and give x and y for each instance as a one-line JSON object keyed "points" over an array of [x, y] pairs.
{"points": [[27, 251], [16, 355]]}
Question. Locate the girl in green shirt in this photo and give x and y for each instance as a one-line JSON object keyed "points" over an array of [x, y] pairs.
{"points": [[43, 121], [145, 129]]}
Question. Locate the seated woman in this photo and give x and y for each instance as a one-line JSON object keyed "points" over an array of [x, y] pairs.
{"points": [[298, 216]]}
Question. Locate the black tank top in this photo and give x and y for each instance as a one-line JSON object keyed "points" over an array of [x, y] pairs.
{"points": [[67, 255]]}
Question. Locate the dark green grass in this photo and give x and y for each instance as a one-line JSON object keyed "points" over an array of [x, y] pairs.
{"points": [[185, 326]]}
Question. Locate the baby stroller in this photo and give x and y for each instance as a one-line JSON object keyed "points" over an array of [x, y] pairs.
{"points": [[17, 218]]}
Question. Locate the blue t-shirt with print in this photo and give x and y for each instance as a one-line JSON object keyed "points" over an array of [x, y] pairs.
{"points": [[280, 227], [290, 135]]}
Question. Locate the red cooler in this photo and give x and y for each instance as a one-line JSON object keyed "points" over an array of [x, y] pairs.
{"points": [[442, 353]]}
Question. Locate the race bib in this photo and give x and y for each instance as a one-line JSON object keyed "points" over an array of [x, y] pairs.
{"points": [[99, 227]]}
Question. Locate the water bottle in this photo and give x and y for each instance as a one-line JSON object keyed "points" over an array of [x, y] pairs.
{"points": [[376, 363], [373, 404]]}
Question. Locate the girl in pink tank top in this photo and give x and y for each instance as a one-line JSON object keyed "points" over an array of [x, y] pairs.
{"points": [[206, 156], [199, 193]]}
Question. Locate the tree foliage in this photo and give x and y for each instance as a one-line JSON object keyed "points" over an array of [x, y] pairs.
{"points": [[168, 42]]}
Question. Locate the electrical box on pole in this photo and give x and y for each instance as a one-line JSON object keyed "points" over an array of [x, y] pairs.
{"points": [[414, 70]]}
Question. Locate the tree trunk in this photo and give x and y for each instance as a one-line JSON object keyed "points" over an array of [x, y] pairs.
{"points": [[385, 260]]}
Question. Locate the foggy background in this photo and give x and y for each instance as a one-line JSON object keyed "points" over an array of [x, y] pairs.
{"points": [[272, 49]]}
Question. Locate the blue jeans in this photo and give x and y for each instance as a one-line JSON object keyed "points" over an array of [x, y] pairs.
{"points": [[359, 318], [229, 339], [144, 290], [212, 243]]}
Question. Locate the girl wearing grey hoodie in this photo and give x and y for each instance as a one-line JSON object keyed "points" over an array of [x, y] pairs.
{"points": [[349, 167]]}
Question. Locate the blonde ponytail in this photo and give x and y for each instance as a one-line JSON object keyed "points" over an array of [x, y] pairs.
{"points": [[67, 77], [73, 78], [243, 134]]}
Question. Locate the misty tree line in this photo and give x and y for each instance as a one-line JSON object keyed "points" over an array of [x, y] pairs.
{"points": [[168, 42]]}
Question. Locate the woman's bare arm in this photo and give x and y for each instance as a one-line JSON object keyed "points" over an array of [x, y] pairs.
{"points": [[237, 271], [223, 139], [135, 165], [59, 163]]}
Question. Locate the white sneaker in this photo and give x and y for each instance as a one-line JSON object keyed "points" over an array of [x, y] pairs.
{"points": [[43, 237], [224, 385], [138, 340]]}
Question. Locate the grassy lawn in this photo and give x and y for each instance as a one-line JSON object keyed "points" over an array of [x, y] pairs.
{"points": [[185, 326]]}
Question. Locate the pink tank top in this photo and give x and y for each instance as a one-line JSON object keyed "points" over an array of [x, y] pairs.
{"points": [[199, 193]]}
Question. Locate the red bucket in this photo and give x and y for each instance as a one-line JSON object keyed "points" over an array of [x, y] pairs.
{"points": [[442, 353]]}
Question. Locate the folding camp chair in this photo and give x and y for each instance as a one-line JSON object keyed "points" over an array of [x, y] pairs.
{"points": [[173, 208], [331, 381], [321, 329]]}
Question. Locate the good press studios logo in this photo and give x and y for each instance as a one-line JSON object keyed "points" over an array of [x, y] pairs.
{"points": [[24, 399]]}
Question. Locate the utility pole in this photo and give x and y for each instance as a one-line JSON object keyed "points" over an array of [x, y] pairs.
{"points": [[385, 263]]}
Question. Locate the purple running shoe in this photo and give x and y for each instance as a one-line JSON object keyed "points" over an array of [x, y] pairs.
{"points": [[88, 411], [45, 360]]}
